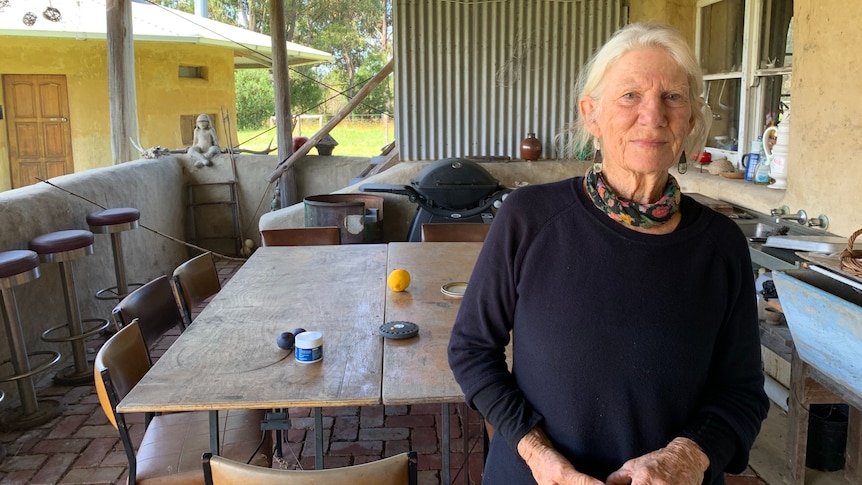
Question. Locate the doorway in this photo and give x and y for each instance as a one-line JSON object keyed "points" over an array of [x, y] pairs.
{"points": [[38, 128]]}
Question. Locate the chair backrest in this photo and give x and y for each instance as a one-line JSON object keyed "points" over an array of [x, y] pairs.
{"points": [[301, 236], [455, 232], [395, 470], [124, 357], [195, 281], [154, 305]]}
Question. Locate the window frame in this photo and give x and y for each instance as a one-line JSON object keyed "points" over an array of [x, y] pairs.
{"points": [[752, 76]]}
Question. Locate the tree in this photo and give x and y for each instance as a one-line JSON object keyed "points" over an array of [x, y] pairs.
{"points": [[254, 98], [349, 29]]}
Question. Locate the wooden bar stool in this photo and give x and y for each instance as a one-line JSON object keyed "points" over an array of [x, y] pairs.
{"points": [[114, 222], [63, 247], [17, 268]]}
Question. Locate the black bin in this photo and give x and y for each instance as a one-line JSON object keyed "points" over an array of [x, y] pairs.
{"points": [[827, 437]]}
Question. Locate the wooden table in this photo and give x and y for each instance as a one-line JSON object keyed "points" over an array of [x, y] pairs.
{"points": [[416, 370], [228, 358]]}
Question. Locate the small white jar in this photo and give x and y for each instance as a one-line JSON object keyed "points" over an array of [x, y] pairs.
{"points": [[308, 347]]}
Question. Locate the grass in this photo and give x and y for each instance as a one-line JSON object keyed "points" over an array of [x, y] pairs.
{"points": [[356, 138]]}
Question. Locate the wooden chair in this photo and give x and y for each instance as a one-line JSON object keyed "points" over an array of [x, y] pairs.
{"points": [[395, 470], [195, 281], [154, 306], [455, 232], [301, 236], [171, 443]]}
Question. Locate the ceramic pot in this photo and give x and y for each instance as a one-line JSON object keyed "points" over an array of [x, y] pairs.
{"points": [[531, 147]]}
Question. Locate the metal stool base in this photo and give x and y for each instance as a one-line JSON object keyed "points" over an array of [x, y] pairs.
{"points": [[15, 419], [68, 376], [112, 292], [100, 324]]}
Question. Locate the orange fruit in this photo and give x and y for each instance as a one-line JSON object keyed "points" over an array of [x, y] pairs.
{"points": [[398, 279]]}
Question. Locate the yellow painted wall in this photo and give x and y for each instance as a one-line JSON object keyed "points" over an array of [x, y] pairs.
{"points": [[162, 96], [679, 13]]}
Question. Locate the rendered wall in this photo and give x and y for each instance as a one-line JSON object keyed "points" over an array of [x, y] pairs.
{"points": [[162, 95]]}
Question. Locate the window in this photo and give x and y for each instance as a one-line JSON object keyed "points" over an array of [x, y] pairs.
{"points": [[745, 48], [192, 72]]}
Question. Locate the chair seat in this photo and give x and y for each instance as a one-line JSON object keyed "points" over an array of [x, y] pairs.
{"points": [[17, 261], [111, 217], [171, 449], [61, 241]]}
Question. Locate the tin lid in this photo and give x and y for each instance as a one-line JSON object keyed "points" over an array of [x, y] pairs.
{"points": [[308, 340], [455, 289]]}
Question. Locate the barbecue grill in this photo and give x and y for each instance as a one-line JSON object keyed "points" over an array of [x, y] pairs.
{"points": [[448, 190]]}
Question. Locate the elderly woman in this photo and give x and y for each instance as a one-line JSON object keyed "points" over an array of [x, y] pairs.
{"points": [[631, 307]]}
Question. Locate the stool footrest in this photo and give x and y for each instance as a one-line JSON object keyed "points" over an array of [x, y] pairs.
{"points": [[55, 358], [112, 293], [100, 325]]}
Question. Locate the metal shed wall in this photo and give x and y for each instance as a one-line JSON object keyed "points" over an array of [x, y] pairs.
{"points": [[473, 77]]}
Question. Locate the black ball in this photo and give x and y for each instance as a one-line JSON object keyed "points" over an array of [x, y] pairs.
{"points": [[285, 340], [297, 331]]}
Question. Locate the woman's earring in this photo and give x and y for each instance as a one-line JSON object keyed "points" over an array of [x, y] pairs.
{"points": [[682, 166], [597, 156]]}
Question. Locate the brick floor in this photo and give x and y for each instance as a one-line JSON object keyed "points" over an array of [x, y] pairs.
{"points": [[80, 447]]}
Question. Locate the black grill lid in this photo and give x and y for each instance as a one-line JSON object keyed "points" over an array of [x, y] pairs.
{"points": [[455, 183]]}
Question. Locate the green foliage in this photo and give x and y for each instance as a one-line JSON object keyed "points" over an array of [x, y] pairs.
{"points": [[255, 96], [379, 100], [255, 99], [306, 93]]}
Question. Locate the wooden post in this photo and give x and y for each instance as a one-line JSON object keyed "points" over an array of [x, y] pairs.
{"points": [[285, 164], [283, 123], [121, 81]]}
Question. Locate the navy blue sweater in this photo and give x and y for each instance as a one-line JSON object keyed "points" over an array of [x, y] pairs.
{"points": [[622, 341]]}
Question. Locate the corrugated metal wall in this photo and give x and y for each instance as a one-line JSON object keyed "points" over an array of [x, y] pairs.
{"points": [[473, 77]]}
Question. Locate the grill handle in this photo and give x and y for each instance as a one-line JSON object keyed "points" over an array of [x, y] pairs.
{"points": [[392, 189], [455, 215]]}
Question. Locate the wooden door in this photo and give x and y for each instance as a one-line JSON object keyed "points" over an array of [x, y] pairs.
{"points": [[37, 120]]}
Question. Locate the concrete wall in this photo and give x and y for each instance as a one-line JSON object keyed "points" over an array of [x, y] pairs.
{"points": [[155, 187], [158, 188], [398, 211]]}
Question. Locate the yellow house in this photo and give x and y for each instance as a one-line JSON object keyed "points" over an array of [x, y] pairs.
{"points": [[54, 110]]}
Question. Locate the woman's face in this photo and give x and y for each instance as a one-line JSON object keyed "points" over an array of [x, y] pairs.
{"points": [[644, 111]]}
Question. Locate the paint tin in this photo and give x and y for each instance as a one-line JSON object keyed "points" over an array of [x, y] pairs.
{"points": [[308, 347]]}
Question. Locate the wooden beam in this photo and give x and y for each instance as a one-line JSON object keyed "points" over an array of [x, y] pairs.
{"points": [[122, 94], [350, 106], [281, 83]]}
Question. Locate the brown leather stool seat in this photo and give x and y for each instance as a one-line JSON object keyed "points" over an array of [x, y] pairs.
{"points": [[63, 247], [113, 222], [17, 268]]}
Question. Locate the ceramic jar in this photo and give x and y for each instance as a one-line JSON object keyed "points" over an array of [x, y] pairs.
{"points": [[531, 148]]}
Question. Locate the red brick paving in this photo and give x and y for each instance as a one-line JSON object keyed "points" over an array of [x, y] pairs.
{"points": [[80, 447]]}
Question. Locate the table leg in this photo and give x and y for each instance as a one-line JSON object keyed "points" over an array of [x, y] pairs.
{"points": [[318, 439], [444, 473], [214, 432], [465, 440]]}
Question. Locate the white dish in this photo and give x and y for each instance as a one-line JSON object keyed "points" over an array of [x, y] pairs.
{"points": [[455, 289]]}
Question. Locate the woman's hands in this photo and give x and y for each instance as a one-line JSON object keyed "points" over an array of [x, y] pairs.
{"points": [[681, 462], [549, 467]]}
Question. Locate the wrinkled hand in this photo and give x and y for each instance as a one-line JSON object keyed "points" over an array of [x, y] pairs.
{"points": [[548, 466], [681, 462]]}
